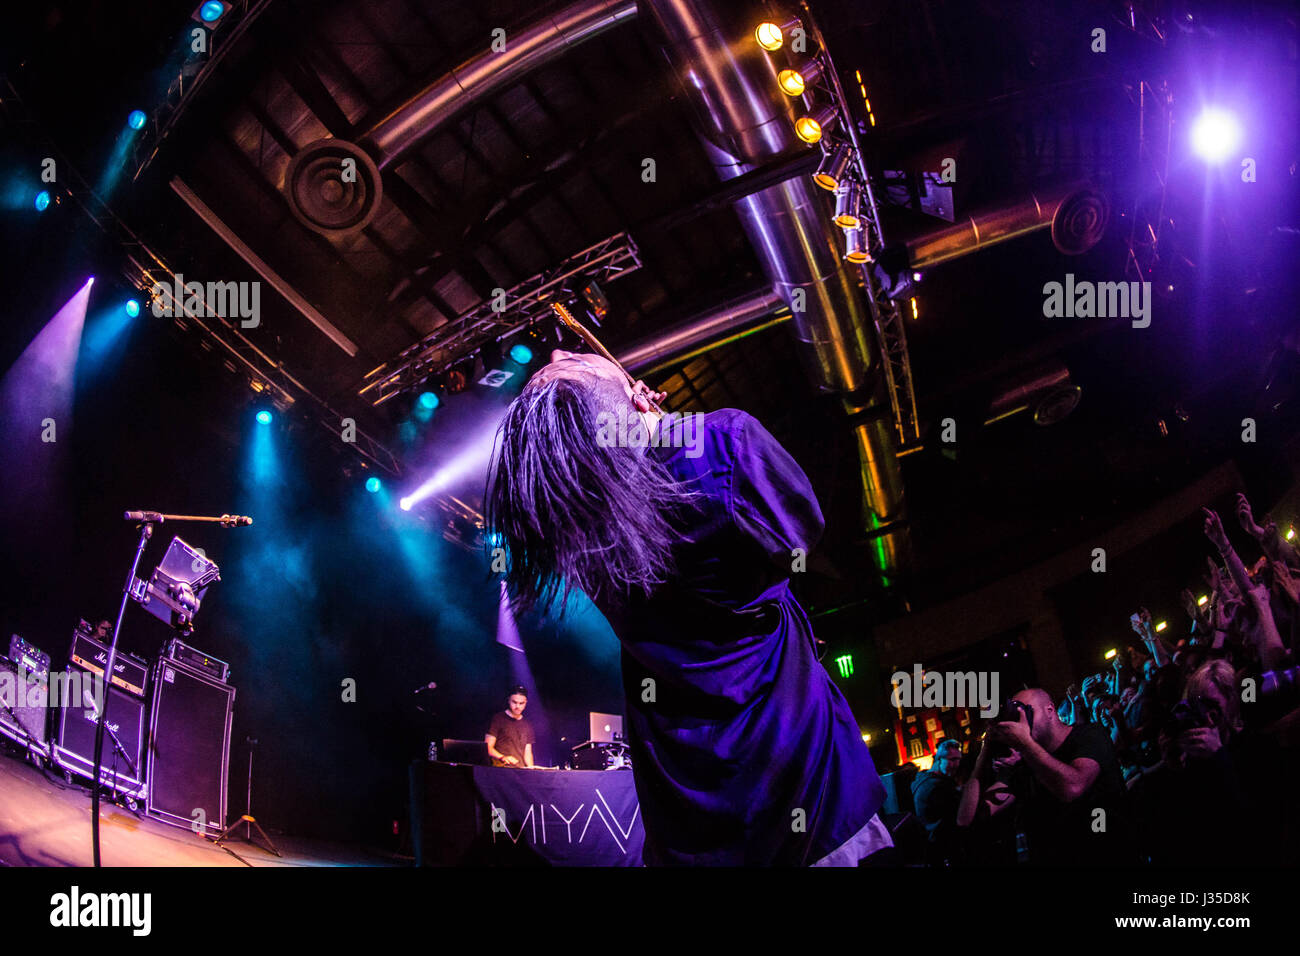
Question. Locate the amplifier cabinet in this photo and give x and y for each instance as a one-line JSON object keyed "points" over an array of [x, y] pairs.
{"points": [[189, 748], [129, 672], [75, 749], [24, 707]]}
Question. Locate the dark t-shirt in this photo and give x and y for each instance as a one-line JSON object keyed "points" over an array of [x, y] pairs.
{"points": [[935, 798], [1062, 834], [512, 736]]}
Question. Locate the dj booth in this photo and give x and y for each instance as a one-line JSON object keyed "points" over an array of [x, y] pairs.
{"points": [[465, 815]]}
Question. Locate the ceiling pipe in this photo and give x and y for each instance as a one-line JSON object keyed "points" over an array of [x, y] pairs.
{"points": [[743, 122], [701, 333], [1075, 213], [526, 50]]}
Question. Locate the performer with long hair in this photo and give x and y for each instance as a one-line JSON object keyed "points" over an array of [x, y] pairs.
{"points": [[683, 531]]}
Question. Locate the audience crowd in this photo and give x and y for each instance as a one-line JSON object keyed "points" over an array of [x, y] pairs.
{"points": [[1181, 753]]}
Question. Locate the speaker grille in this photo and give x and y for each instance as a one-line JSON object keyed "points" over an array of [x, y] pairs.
{"points": [[189, 748]]}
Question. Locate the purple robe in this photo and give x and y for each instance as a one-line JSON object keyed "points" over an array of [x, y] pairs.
{"points": [[745, 728]]}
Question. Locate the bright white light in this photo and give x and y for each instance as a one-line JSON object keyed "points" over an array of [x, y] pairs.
{"points": [[1215, 134], [465, 462]]}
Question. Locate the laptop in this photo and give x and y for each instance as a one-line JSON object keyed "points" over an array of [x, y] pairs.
{"points": [[606, 728]]}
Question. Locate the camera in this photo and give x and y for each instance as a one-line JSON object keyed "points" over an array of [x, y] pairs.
{"points": [[1011, 711]]}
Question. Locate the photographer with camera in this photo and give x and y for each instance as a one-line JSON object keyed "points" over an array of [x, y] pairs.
{"points": [[1196, 806], [1067, 775]]}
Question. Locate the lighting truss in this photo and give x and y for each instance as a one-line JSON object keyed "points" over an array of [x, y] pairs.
{"points": [[886, 313], [1155, 136], [188, 80], [525, 304], [145, 267]]}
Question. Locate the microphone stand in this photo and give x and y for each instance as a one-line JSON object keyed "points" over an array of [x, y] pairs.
{"points": [[146, 532], [147, 520]]}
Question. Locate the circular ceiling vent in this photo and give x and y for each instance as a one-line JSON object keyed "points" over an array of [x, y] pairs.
{"points": [[1057, 404], [1080, 221], [333, 187]]}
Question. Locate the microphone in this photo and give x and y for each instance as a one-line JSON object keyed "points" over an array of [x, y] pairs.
{"points": [[432, 685], [233, 521], [153, 516]]}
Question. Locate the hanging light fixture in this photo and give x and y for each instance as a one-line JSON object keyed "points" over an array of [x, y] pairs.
{"points": [[794, 82], [810, 128], [847, 198], [771, 35], [855, 247], [834, 164]]}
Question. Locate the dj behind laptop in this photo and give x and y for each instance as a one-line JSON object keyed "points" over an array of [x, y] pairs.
{"points": [[605, 749]]}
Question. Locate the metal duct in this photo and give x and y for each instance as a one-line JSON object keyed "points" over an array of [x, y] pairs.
{"points": [[1076, 213], [744, 121], [526, 50], [700, 333]]}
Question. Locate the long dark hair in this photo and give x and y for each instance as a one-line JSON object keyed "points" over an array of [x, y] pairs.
{"points": [[571, 511]]}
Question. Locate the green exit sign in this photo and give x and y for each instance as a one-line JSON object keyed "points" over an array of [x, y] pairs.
{"points": [[845, 662]]}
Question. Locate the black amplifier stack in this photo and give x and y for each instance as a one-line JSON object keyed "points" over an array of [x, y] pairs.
{"points": [[170, 723], [189, 740], [25, 697]]}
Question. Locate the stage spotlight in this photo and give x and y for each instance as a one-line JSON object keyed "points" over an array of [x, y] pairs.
{"points": [[1202, 600], [1290, 534], [1215, 134], [830, 174], [810, 128], [771, 35], [429, 401], [43, 200], [264, 417], [1161, 626], [372, 484], [405, 504], [132, 307], [794, 82], [855, 249], [136, 120], [847, 198], [521, 353], [1111, 653], [211, 12]]}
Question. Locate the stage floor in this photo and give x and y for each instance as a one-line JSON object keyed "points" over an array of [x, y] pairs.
{"points": [[45, 823]]}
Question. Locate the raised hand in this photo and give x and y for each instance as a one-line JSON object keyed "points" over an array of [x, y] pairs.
{"points": [[1214, 530], [1286, 582], [1246, 518]]}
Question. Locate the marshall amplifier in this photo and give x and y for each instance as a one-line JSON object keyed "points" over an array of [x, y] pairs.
{"points": [[189, 748], [75, 749], [129, 672], [24, 704], [197, 660]]}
